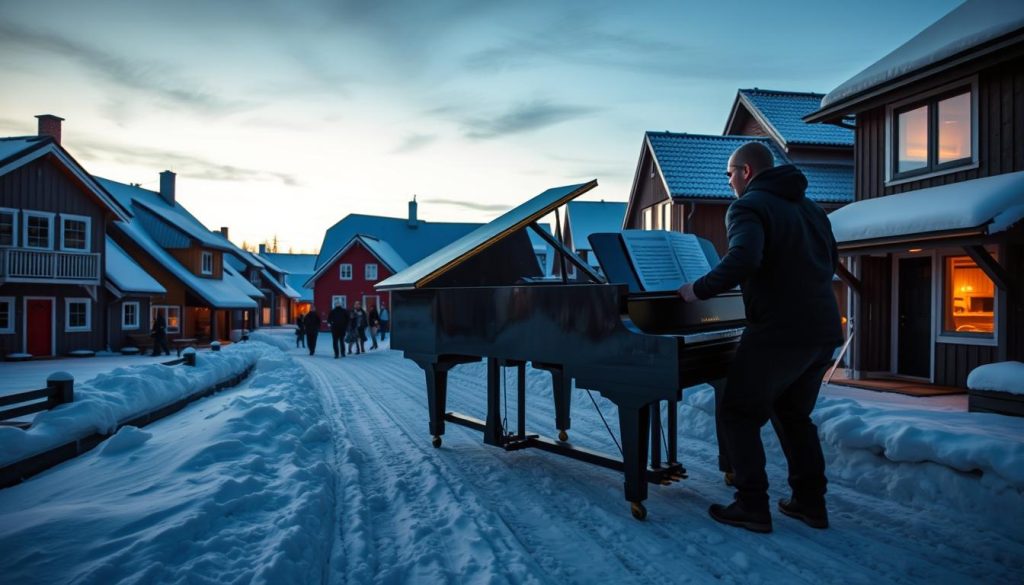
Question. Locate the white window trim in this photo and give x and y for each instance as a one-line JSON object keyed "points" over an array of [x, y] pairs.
{"points": [[27, 213], [366, 271], [890, 121], [88, 232], [152, 316], [14, 225], [942, 336], [202, 263], [138, 317], [341, 271], [67, 314], [343, 298], [10, 314]]}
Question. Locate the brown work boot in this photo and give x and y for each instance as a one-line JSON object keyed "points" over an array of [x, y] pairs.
{"points": [[736, 515], [729, 479], [814, 516]]}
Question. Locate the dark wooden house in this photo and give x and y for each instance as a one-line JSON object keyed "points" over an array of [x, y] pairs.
{"points": [[934, 240]]}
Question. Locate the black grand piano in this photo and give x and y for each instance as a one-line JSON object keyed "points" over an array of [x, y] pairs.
{"points": [[484, 297]]}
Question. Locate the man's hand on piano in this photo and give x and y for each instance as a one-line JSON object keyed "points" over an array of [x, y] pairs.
{"points": [[686, 291]]}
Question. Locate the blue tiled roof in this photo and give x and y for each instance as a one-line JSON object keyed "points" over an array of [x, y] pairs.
{"points": [[784, 111], [292, 263], [693, 166], [412, 243]]}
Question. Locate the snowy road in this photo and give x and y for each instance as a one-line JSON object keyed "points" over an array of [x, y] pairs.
{"points": [[472, 513]]}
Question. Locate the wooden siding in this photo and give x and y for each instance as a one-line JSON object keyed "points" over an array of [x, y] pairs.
{"points": [[94, 339], [874, 328], [708, 222], [1000, 135], [953, 361], [330, 284], [650, 190], [119, 336], [192, 259]]}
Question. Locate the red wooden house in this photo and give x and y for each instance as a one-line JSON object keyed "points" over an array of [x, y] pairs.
{"points": [[351, 273]]}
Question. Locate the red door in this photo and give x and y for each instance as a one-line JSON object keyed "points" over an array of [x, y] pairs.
{"points": [[39, 319]]}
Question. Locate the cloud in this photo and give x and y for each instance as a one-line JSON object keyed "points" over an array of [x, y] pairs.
{"points": [[414, 142], [155, 79], [182, 164], [525, 117], [474, 205]]}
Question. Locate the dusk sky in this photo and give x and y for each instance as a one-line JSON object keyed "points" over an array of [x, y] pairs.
{"points": [[282, 117]]}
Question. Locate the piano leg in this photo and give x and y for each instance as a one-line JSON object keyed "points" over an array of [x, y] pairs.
{"points": [[493, 431], [561, 390], [634, 430], [437, 396]]}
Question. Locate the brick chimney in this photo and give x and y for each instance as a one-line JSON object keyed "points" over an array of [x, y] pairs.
{"points": [[167, 186], [263, 249], [49, 125], [224, 232], [413, 222]]}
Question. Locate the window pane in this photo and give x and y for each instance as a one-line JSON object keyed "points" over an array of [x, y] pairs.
{"points": [[38, 235], [912, 131], [955, 128], [6, 229], [76, 315], [968, 298], [5, 315], [74, 234]]}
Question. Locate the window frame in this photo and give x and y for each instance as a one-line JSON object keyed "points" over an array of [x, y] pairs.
{"points": [[49, 216], [344, 301], [64, 217], [961, 338], [366, 271], [931, 100], [152, 316], [202, 263], [68, 301], [14, 226], [125, 326], [341, 271], [10, 315]]}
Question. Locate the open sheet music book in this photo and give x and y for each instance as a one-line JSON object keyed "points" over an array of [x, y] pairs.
{"points": [[664, 260]]}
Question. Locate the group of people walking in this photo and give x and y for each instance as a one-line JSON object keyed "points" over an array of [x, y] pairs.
{"points": [[348, 329]]}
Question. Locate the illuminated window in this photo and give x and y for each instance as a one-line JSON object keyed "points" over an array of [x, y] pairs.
{"points": [[968, 304], [172, 316], [933, 135], [648, 214]]}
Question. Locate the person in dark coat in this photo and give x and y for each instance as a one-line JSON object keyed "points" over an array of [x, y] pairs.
{"points": [[358, 325], [374, 319], [385, 321], [311, 323], [338, 322], [783, 255], [159, 335], [300, 332]]}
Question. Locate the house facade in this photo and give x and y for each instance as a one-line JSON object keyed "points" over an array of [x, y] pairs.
{"points": [[295, 270], [934, 241], [352, 273]]}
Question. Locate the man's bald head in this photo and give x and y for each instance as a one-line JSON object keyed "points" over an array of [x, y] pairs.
{"points": [[747, 162]]}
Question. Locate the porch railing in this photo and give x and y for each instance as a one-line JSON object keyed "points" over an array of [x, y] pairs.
{"points": [[22, 265]]}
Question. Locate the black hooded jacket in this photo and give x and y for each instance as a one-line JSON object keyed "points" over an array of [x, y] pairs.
{"points": [[782, 254]]}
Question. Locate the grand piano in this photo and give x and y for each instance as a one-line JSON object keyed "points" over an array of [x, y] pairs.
{"points": [[484, 297]]}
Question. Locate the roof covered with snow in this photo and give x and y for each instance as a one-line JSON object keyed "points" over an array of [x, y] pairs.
{"points": [[412, 241], [991, 204], [126, 275], [282, 287], [379, 248], [693, 167], [782, 112], [292, 263], [974, 25], [236, 278], [175, 215], [588, 217], [14, 146]]}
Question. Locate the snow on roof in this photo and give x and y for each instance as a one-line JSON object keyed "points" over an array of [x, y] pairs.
{"points": [[997, 201], [15, 145], [297, 282], [220, 294], [384, 252], [412, 242], [588, 217], [235, 278], [186, 223], [268, 264], [292, 263], [126, 274], [784, 111], [970, 25], [282, 287]]}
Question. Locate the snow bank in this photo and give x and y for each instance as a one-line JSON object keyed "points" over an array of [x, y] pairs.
{"points": [[998, 377], [278, 341], [102, 402]]}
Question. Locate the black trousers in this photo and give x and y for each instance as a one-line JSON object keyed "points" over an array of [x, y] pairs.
{"points": [[160, 342], [311, 341], [779, 384], [338, 342]]}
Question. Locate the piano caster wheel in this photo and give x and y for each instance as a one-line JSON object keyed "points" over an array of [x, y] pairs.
{"points": [[436, 441], [563, 436], [638, 510]]}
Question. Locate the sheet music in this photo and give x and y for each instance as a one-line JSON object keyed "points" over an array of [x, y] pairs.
{"points": [[665, 260], [690, 256]]}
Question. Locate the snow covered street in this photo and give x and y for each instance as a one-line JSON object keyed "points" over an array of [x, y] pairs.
{"points": [[322, 470]]}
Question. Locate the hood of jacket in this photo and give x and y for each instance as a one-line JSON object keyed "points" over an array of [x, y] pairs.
{"points": [[784, 181]]}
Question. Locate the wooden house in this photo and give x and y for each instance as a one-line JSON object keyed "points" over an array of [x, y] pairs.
{"points": [[934, 240], [295, 270], [583, 218]]}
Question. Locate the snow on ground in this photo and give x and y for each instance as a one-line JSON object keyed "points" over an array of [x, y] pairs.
{"points": [[22, 376], [321, 470]]}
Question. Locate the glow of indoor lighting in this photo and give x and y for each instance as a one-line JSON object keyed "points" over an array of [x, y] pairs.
{"points": [[914, 250], [966, 288]]}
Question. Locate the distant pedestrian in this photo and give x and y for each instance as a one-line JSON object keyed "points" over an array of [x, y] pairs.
{"points": [[374, 318], [338, 322], [159, 335], [357, 326], [300, 332], [312, 326], [385, 321]]}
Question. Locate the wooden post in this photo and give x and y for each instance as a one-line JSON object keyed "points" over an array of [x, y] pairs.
{"points": [[190, 356], [62, 386]]}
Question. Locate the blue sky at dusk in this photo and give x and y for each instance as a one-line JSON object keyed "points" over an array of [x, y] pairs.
{"points": [[282, 117]]}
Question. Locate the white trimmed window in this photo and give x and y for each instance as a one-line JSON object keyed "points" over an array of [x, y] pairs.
{"points": [[933, 134], [207, 263], [345, 272], [254, 277], [77, 314], [130, 315], [38, 229], [339, 301], [8, 227], [172, 316], [370, 271], [75, 232], [6, 314]]}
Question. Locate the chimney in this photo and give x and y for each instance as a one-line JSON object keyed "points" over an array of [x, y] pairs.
{"points": [[263, 249], [412, 213], [167, 186], [224, 232], [49, 125]]}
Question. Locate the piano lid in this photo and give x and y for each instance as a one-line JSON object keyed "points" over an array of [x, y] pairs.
{"points": [[428, 269]]}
